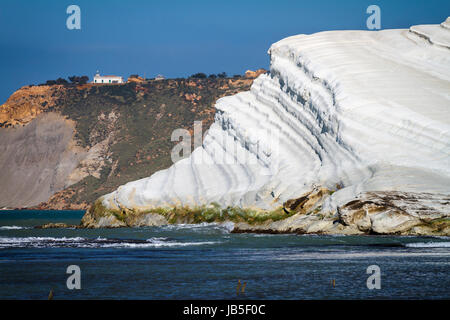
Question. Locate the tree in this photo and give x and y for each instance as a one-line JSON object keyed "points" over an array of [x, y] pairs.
{"points": [[61, 81], [199, 75], [212, 76], [79, 80], [222, 75], [84, 79]]}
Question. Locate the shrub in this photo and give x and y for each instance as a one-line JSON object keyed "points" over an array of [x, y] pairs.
{"points": [[79, 80], [61, 81], [57, 81]]}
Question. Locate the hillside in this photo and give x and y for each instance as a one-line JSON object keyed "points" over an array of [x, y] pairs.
{"points": [[66, 145]]}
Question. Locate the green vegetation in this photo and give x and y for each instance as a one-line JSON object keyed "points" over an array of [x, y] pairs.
{"points": [[76, 80], [199, 75], [211, 213], [57, 81], [439, 224], [79, 80]]}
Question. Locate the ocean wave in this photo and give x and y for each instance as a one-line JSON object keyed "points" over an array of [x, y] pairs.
{"points": [[13, 227], [79, 242], [354, 255], [441, 237], [428, 245], [157, 244]]}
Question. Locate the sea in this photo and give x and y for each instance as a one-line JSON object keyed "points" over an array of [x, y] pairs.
{"points": [[207, 261]]}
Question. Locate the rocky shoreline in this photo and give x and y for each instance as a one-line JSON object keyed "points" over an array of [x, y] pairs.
{"points": [[375, 213]]}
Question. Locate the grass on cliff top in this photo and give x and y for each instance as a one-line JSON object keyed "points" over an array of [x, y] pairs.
{"points": [[211, 213]]}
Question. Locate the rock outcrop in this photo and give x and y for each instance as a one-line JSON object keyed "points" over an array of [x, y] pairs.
{"points": [[389, 213], [136, 78], [27, 103], [57, 225], [254, 74]]}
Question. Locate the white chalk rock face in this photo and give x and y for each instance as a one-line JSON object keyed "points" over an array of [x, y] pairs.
{"points": [[367, 110]]}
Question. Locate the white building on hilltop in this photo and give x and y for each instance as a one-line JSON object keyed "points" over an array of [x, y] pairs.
{"points": [[106, 79]]}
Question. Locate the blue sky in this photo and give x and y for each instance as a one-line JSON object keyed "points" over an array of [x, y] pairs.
{"points": [[175, 38]]}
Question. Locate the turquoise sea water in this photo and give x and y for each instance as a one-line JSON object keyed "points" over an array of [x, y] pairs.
{"points": [[206, 261]]}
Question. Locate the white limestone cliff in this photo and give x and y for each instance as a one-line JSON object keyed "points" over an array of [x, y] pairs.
{"points": [[357, 112]]}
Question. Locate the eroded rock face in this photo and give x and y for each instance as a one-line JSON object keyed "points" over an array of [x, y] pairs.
{"points": [[36, 160], [43, 158], [308, 201], [395, 212]]}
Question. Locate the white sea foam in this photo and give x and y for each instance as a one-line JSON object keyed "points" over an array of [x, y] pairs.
{"points": [[428, 245], [356, 255], [38, 239], [157, 244], [80, 242], [13, 227]]}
